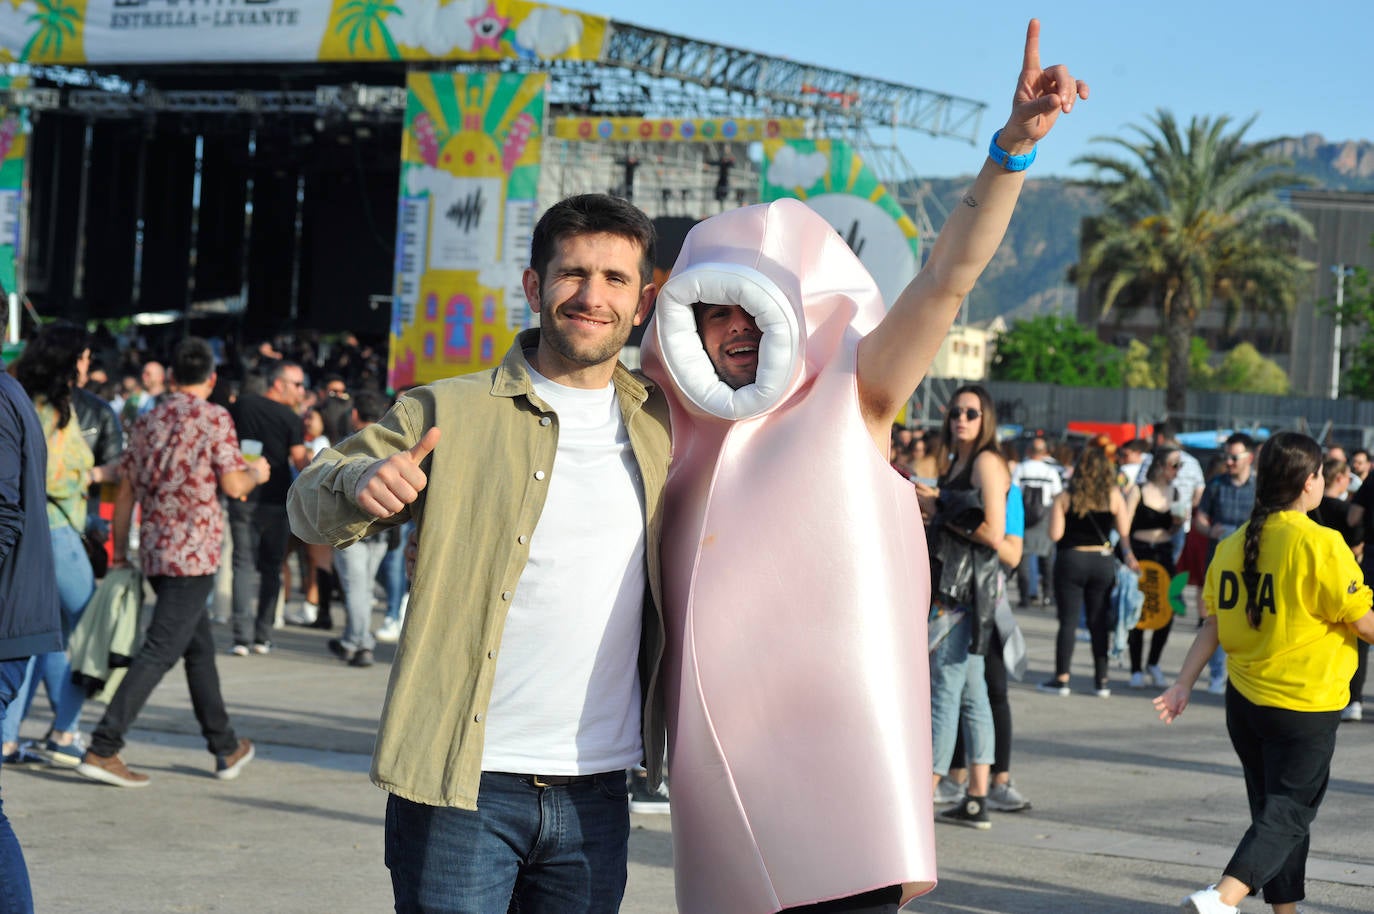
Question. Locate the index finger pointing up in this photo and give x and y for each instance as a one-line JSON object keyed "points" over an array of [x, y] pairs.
{"points": [[1031, 61], [426, 444]]}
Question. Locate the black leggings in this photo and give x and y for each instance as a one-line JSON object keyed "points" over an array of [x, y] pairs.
{"points": [[995, 673], [879, 901], [1163, 553], [1083, 581]]}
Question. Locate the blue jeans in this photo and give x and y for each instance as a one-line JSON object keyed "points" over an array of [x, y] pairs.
{"points": [[549, 850], [393, 573], [357, 567], [957, 684], [15, 895], [75, 584]]}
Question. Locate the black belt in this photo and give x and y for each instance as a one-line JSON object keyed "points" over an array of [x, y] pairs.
{"points": [[551, 780]]}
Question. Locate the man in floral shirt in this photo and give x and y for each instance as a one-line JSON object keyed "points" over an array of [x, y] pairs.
{"points": [[181, 455]]}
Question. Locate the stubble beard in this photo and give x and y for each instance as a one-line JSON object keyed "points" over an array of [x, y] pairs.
{"points": [[588, 354]]}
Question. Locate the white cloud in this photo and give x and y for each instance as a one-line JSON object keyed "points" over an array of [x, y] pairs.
{"points": [[15, 29], [790, 168], [549, 32], [438, 29]]}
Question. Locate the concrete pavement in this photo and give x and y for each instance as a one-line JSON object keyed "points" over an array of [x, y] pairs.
{"points": [[1129, 815]]}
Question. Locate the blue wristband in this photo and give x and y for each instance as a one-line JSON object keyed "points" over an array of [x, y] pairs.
{"points": [[1006, 159]]}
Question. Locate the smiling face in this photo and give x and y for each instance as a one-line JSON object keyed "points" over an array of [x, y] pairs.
{"points": [[731, 338], [588, 300]]}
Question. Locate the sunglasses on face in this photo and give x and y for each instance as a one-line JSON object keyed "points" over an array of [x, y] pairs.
{"points": [[1173, 466], [968, 413], [1236, 458]]}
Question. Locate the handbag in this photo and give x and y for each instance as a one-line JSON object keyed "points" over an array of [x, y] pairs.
{"points": [[95, 548]]}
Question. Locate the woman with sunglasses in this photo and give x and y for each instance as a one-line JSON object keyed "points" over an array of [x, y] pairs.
{"points": [[1154, 520], [1287, 602], [1081, 521], [957, 679]]}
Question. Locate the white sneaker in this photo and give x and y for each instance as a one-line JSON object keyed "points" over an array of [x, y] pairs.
{"points": [[1208, 901], [948, 791], [1217, 686], [1137, 681], [307, 615], [389, 632], [1157, 677], [1006, 798], [1353, 711]]}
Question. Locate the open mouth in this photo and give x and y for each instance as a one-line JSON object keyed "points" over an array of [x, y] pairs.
{"points": [[742, 350]]}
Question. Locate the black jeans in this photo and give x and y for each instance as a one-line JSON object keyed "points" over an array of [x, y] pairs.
{"points": [[879, 901], [180, 630], [995, 674], [1286, 756], [1083, 581], [261, 534]]}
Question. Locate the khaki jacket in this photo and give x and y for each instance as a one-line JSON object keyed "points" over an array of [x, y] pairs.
{"points": [[487, 479]]}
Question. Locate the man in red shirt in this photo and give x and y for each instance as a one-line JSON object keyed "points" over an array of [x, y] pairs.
{"points": [[180, 456]]}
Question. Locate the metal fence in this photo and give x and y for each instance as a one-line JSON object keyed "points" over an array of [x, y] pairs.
{"points": [[1051, 407]]}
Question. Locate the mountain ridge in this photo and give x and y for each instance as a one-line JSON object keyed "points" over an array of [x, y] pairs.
{"points": [[1029, 274]]}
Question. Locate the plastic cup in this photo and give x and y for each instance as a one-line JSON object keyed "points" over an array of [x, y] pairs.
{"points": [[251, 448]]}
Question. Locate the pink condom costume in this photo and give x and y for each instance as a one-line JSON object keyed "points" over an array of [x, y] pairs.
{"points": [[796, 587]]}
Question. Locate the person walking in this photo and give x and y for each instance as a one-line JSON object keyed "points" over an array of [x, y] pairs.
{"points": [[179, 458], [48, 370], [1081, 521], [258, 524], [1040, 483], [1287, 602], [30, 608], [1156, 514]]}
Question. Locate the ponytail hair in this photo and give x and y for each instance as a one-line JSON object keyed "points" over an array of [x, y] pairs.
{"points": [[1285, 463]]}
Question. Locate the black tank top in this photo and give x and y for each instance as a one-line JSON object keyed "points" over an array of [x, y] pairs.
{"points": [[1091, 529], [1147, 518]]}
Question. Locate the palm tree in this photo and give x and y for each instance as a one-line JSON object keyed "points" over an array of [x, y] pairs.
{"points": [[56, 21], [1191, 219], [365, 16]]}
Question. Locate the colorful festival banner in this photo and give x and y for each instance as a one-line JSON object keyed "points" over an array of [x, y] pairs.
{"points": [[834, 181], [14, 143], [678, 130], [194, 31], [470, 159]]}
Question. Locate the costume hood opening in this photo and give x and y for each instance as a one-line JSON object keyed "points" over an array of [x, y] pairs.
{"points": [[685, 358]]}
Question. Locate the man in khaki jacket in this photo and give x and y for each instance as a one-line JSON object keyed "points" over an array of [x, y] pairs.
{"points": [[525, 682]]}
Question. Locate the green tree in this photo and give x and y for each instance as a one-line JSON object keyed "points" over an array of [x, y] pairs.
{"points": [[1192, 218], [1054, 350], [1244, 370]]}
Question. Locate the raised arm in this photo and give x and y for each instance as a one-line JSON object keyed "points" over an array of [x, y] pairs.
{"points": [[895, 356]]}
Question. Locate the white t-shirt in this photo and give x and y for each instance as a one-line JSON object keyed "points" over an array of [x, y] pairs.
{"points": [[566, 696]]}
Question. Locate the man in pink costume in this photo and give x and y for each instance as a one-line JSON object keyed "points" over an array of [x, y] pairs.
{"points": [[795, 575]]}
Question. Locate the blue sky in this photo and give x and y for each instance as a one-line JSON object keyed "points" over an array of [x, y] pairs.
{"points": [[1302, 68]]}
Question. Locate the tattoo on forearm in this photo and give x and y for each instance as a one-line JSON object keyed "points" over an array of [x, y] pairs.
{"points": [[970, 201]]}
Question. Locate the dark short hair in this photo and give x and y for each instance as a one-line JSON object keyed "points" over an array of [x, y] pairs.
{"points": [[193, 361], [586, 214], [370, 405], [1242, 439], [278, 368]]}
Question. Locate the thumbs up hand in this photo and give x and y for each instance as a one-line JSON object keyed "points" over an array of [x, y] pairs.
{"points": [[391, 484]]}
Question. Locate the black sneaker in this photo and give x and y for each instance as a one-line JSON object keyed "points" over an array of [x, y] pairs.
{"points": [[1054, 687], [361, 657], [972, 813], [336, 647], [645, 801]]}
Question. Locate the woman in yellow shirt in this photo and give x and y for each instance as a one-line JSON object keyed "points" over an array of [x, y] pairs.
{"points": [[1287, 602]]}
